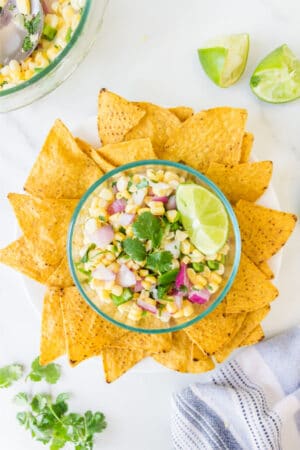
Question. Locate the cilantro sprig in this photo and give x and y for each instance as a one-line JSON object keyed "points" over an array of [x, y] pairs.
{"points": [[10, 374], [148, 227], [135, 249], [50, 373], [49, 423], [160, 262]]}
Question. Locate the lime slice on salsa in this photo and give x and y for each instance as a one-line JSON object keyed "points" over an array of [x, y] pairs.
{"points": [[203, 216], [225, 58], [277, 77]]}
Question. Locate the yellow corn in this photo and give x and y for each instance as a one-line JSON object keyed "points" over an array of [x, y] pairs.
{"points": [[146, 285], [171, 307], [144, 272], [186, 260], [151, 175], [188, 309], [131, 208], [180, 236], [178, 314], [170, 176], [114, 267], [120, 236], [142, 210], [129, 231], [136, 178], [213, 287], [151, 279], [215, 278], [172, 215], [157, 208], [135, 313], [185, 247], [104, 296], [124, 194], [117, 290]]}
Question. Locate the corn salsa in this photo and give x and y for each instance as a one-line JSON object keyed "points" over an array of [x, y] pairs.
{"points": [[135, 254], [61, 17]]}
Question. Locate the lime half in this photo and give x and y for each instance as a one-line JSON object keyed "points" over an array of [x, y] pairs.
{"points": [[203, 216], [225, 58], [277, 77]]}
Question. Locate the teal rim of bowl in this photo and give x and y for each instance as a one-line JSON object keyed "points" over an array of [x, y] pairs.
{"points": [[216, 190], [57, 60]]}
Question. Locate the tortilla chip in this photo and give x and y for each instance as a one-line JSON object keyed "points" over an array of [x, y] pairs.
{"points": [[52, 343], [61, 277], [182, 112], [243, 181], [104, 165], [254, 337], [266, 270], [117, 361], [249, 324], [263, 231], [180, 354], [247, 145], [157, 124], [200, 361], [45, 225], [87, 333], [209, 136], [126, 152], [152, 343], [61, 170], [19, 257], [116, 116], [250, 290], [214, 330]]}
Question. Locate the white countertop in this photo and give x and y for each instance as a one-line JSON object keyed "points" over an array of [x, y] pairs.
{"points": [[147, 51]]}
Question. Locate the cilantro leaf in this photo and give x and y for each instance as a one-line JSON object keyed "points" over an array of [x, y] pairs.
{"points": [[135, 249], [120, 299], [32, 25], [85, 257], [27, 44], [9, 374], [49, 373], [21, 399], [160, 262], [147, 226]]}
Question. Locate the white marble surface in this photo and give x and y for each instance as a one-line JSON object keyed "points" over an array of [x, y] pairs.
{"points": [[147, 50]]}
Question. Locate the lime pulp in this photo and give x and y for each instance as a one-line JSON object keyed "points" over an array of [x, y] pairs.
{"points": [[224, 59], [277, 77], [203, 216]]}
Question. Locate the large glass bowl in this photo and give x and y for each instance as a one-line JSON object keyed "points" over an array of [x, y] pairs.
{"points": [[150, 324], [61, 67]]}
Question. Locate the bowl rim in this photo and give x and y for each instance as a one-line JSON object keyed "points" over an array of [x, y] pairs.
{"points": [[216, 190], [56, 61]]}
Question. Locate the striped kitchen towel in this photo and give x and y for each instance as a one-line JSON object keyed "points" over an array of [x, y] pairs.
{"points": [[252, 402]]}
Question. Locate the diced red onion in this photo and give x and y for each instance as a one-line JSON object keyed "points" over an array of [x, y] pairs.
{"points": [[125, 277], [47, 6], [126, 219], [117, 206], [160, 199], [199, 297], [171, 203], [138, 286], [104, 274], [144, 305], [102, 236], [182, 277]]}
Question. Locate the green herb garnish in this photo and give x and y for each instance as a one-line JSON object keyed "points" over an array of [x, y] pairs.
{"points": [[38, 69], [162, 290], [50, 373], [3, 83], [198, 267], [147, 226], [85, 257], [135, 249], [68, 35], [27, 44], [32, 25], [120, 299], [49, 32], [9, 374], [49, 423], [223, 259], [168, 277], [213, 265], [122, 230], [102, 218], [160, 262]]}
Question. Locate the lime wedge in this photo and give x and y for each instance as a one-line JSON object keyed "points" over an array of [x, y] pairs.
{"points": [[225, 58], [203, 216], [277, 77]]}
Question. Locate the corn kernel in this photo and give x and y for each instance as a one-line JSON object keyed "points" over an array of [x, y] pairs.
{"points": [[197, 256], [171, 307], [225, 249], [104, 296], [170, 176], [142, 210], [110, 256], [106, 194], [146, 285], [129, 231], [131, 208], [108, 285], [124, 194], [144, 272], [213, 287], [135, 313], [157, 208], [151, 175], [117, 290], [178, 314], [221, 269], [172, 215], [132, 265], [52, 20], [216, 278], [185, 247], [125, 307], [180, 236], [120, 236], [175, 264], [160, 175], [151, 279], [188, 309], [114, 267]]}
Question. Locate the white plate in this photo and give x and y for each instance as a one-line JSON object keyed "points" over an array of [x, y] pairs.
{"points": [[87, 130]]}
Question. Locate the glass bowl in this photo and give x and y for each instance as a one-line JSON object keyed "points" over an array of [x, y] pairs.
{"points": [[151, 324], [61, 67]]}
